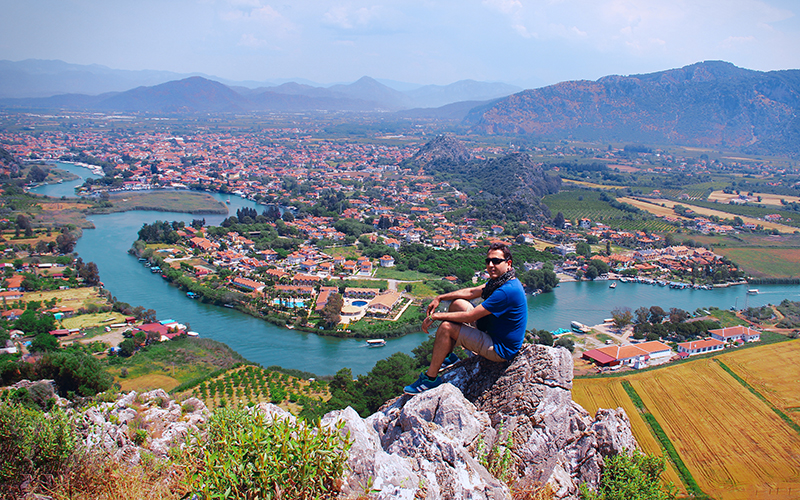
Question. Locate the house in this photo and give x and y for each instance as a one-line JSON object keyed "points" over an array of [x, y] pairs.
{"points": [[693, 348], [305, 279], [635, 356], [387, 261], [383, 303], [736, 333], [248, 284], [563, 250]]}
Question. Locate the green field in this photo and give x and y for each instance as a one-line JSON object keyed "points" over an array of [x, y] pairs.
{"points": [[765, 262], [167, 201], [580, 203], [169, 364]]}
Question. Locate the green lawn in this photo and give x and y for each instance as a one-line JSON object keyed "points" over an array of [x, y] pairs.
{"points": [[395, 274]]}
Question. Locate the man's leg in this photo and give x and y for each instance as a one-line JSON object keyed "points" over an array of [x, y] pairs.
{"points": [[446, 338]]}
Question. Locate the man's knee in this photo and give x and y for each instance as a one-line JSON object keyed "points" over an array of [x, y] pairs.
{"points": [[460, 305], [449, 329]]}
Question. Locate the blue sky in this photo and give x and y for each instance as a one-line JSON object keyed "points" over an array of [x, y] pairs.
{"points": [[527, 43]]}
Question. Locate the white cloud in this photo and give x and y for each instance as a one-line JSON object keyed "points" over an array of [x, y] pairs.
{"points": [[733, 41], [250, 40], [504, 6], [347, 17]]}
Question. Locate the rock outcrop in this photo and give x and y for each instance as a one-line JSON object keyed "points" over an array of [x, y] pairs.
{"points": [[438, 444], [491, 430], [148, 421]]}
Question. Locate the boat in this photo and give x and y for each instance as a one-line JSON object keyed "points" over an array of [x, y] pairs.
{"points": [[191, 295], [376, 342], [580, 327], [228, 201], [752, 291], [613, 284], [193, 334]]}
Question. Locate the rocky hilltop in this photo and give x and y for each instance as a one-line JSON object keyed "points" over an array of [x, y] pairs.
{"points": [[506, 186], [711, 104], [517, 418]]}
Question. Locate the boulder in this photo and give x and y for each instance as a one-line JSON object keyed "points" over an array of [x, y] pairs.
{"points": [[516, 418]]}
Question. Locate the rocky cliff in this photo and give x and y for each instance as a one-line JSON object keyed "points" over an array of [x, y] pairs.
{"points": [[515, 419]]}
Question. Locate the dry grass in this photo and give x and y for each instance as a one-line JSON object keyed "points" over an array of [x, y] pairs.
{"points": [[725, 215], [758, 368], [655, 209], [592, 184], [147, 382], [766, 198], [735, 446], [98, 477], [89, 320], [74, 297], [597, 393]]}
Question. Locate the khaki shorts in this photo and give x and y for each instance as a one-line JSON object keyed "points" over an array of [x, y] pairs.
{"points": [[478, 342]]}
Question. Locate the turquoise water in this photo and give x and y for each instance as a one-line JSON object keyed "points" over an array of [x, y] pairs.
{"points": [[267, 344], [359, 303]]}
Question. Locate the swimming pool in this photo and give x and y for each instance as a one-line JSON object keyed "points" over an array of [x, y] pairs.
{"points": [[293, 303], [360, 303]]}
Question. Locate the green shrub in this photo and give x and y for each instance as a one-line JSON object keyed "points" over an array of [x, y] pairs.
{"points": [[634, 476], [32, 442], [246, 456]]}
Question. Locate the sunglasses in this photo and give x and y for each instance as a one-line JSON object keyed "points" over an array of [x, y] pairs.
{"points": [[495, 261]]}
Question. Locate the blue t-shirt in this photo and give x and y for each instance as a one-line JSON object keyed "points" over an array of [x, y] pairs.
{"points": [[508, 319]]}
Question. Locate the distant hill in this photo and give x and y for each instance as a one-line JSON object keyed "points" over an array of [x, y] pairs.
{"points": [[504, 188], [709, 104], [195, 94]]}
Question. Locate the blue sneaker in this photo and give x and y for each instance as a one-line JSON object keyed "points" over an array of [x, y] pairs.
{"points": [[449, 361], [422, 384]]}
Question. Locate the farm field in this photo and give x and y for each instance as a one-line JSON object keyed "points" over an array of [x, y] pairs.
{"points": [[758, 366], [247, 385], [74, 297], [734, 445], [766, 198], [597, 393], [765, 262], [657, 210], [169, 201], [591, 185], [726, 215], [581, 203]]}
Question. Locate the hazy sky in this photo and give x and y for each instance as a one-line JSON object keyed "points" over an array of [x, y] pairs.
{"points": [[524, 42]]}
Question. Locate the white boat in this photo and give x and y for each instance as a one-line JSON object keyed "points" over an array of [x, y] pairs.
{"points": [[376, 342], [580, 327], [613, 284], [753, 291], [193, 334]]}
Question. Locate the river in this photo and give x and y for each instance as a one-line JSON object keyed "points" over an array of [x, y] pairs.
{"points": [[267, 344]]}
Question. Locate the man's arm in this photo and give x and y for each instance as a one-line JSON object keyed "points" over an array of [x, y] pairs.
{"points": [[464, 293]]}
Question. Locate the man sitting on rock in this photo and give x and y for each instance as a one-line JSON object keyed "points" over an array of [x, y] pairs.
{"points": [[494, 329]]}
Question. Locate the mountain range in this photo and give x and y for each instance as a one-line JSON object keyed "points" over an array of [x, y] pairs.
{"points": [[707, 104], [38, 83]]}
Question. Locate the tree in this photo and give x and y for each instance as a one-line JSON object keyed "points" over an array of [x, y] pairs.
{"points": [[622, 316], [75, 372], [566, 343], [583, 248], [90, 274], [126, 348], [677, 315], [65, 242], [331, 312], [44, 342], [558, 220], [642, 314], [633, 476], [657, 314]]}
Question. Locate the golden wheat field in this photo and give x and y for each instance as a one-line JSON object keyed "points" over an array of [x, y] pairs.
{"points": [[734, 445], [758, 368], [608, 393]]}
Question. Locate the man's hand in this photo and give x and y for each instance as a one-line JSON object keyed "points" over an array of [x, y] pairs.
{"points": [[426, 323], [432, 306]]}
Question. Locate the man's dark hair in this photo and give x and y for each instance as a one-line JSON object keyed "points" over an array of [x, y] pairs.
{"points": [[497, 245]]}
